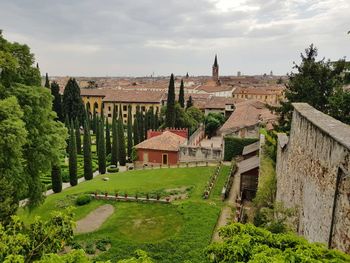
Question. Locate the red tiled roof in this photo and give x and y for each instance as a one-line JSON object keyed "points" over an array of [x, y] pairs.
{"points": [[94, 92], [220, 102], [134, 96], [167, 141]]}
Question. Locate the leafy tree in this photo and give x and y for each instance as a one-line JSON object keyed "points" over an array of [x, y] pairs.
{"points": [[340, 105], [170, 109], [101, 148], [247, 243], [182, 95], [130, 144], [57, 100], [13, 138], [88, 174], [47, 81], [213, 121], [73, 166], [314, 82], [189, 102], [77, 135], [56, 178], [73, 105], [108, 139], [121, 139]]}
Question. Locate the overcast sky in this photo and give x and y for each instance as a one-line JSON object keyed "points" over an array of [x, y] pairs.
{"points": [[139, 37]]}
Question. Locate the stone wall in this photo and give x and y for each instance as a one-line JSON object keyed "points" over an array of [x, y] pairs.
{"points": [[199, 154], [308, 165]]}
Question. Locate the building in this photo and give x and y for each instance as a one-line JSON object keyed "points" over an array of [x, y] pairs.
{"points": [[267, 94], [215, 71], [161, 147], [251, 150], [221, 105], [247, 118], [210, 87], [248, 170]]}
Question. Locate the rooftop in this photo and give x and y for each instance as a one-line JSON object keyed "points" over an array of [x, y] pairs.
{"points": [[167, 141], [248, 164], [251, 148]]}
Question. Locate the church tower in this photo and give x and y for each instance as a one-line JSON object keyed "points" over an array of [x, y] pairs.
{"points": [[215, 74]]}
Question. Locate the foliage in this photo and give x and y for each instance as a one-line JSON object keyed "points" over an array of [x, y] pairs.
{"points": [[141, 257], [134, 154], [170, 116], [77, 135], [182, 94], [108, 139], [233, 146], [56, 178], [101, 148], [135, 127], [88, 174], [121, 139], [57, 100], [247, 243], [26, 244], [189, 102], [114, 153], [314, 82], [73, 105], [213, 121], [130, 141], [73, 167], [112, 169], [340, 105], [83, 199], [47, 82]]}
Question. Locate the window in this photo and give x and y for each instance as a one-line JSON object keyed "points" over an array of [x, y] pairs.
{"points": [[124, 115], [109, 115], [109, 108], [143, 108], [124, 108]]}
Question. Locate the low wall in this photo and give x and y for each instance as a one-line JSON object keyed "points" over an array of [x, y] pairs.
{"points": [[198, 154], [312, 168]]}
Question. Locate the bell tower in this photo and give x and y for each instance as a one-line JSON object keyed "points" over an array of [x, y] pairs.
{"points": [[215, 74]]}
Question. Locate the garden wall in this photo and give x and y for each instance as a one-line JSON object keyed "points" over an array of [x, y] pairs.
{"points": [[312, 168]]}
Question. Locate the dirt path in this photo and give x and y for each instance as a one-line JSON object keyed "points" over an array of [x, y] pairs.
{"points": [[94, 219], [224, 218]]}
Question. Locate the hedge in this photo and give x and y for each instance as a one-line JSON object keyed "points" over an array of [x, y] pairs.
{"points": [[234, 146]]}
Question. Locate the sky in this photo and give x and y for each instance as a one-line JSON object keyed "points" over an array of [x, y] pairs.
{"points": [[144, 37]]}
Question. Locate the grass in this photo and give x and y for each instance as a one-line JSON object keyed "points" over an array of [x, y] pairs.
{"points": [[220, 182], [167, 232]]}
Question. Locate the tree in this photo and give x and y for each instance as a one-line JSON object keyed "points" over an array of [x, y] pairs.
{"points": [[130, 144], [101, 148], [141, 126], [56, 178], [339, 104], [108, 139], [189, 103], [47, 81], [57, 100], [170, 109], [77, 135], [88, 174], [247, 243], [213, 121], [156, 120], [72, 103], [314, 82], [121, 139], [182, 94], [114, 153], [73, 166], [136, 130]]}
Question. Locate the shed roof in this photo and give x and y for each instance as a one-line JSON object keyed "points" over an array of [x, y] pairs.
{"points": [[251, 148], [248, 164]]}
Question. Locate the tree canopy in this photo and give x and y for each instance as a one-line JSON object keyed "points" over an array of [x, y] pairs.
{"points": [[72, 104]]}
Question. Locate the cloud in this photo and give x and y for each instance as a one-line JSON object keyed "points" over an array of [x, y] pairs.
{"points": [[136, 37]]}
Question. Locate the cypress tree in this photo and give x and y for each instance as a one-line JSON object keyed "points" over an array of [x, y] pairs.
{"points": [[87, 153], [146, 123], [170, 108], [72, 104], [151, 118], [57, 100], [182, 94], [56, 178], [189, 102], [156, 120], [136, 131], [94, 121], [121, 140], [73, 166], [114, 153], [108, 139], [47, 82], [141, 127], [129, 131], [97, 135], [77, 135], [101, 148]]}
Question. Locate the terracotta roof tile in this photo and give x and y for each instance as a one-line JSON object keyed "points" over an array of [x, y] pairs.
{"points": [[167, 141], [134, 96]]}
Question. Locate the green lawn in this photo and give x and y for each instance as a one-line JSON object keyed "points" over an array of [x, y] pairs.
{"points": [[168, 232], [220, 182]]}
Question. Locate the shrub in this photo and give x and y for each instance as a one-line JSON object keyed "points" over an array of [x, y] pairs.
{"points": [[112, 169], [90, 248], [83, 200], [234, 146], [101, 244]]}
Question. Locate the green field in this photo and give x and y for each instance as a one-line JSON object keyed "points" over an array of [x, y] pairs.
{"points": [[168, 232]]}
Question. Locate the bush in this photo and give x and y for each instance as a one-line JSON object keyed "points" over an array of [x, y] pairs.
{"points": [[234, 146], [101, 244], [90, 248], [83, 200], [112, 169]]}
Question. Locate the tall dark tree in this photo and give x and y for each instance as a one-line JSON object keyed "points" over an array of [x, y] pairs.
{"points": [[47, 81], [56, 178], [156, 120], [114, 153], [136, 131], [97, 134], [72, 103], [73, 166], [88, 174], [182, 94], [101, 148], [189, 103], [77, 135], [94, 120], [141, 126], [130, 144], [108, 139], [57, 100], [121, 140], [170, 109]]}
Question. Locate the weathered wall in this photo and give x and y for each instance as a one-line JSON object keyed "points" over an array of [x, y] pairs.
{"points": [[199, 154], [307, 168]]}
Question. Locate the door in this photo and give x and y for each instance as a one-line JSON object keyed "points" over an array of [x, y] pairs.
{"points": [[145, 157], [165, 159]]}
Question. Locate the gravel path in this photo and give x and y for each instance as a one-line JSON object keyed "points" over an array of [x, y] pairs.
{"points": [[94, 219]]}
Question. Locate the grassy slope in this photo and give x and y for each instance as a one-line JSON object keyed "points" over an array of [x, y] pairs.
{"points": [[168, 232], [220, 182]]}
